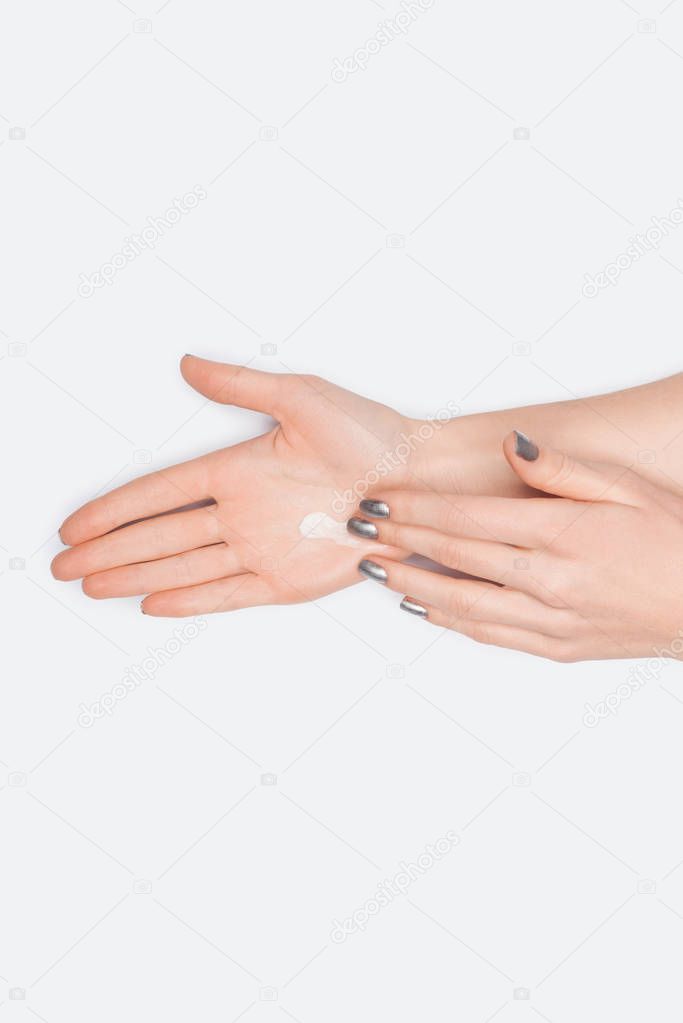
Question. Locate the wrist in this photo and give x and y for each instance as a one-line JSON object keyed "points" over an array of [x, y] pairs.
{"points": [[461, 455]]}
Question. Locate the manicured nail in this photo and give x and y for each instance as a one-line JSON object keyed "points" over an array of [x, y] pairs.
{"points": [[143, 609], [525, 448], [371, 570], [413, 608], [359, 527], [375, 509]]}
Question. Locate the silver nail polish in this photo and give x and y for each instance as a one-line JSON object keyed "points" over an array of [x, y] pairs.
{"points": [[375, 509], [359, 527], [371, 570], [413, 608], [525, 448]]}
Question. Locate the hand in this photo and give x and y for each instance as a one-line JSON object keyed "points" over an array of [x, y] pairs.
{"points": [[245, 548], [597, 574]]}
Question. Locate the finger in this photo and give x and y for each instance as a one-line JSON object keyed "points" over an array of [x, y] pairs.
{"points": [[497, 562], [558, 473], [150, 495], [494, 634], [188, 569], [472, 600], [247, 590], [144, 541], [528, 522], [233, 385]]}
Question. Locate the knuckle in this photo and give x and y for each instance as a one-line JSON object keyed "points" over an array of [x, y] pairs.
{"points": [[562, 472], [448, 553], [183, 570], [456, 521], [457, 606], [564, 624], [480, 632], [559, 586], [155, 535], [560, 533]]}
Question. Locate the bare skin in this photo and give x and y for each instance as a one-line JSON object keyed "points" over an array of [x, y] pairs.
{"points": [[245, 549], [591, 572]]}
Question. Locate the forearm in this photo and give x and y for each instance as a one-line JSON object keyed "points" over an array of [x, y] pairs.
{"points": [[640, 427]]}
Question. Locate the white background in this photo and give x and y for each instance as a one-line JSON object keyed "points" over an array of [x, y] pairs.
{"points": [[383, 733]]}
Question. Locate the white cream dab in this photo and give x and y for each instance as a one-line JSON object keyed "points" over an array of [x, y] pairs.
{"points": [[320, 526]]}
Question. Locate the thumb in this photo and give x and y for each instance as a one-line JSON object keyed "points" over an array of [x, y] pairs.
{"points": [[233, 385], [558, 473]]}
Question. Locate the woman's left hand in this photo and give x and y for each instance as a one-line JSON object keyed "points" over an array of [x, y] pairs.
{"points": [[595, 574]]}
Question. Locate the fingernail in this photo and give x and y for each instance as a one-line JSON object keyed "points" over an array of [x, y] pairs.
{"points": [[371, 570], [359, 527], [413, 608], [143, 609], [525, 448], [375, 509]]}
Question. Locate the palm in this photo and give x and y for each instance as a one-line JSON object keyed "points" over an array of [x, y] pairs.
{"points": [[248, 547]]}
